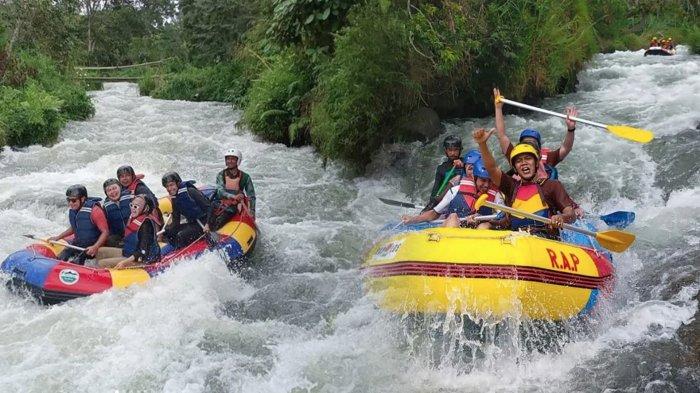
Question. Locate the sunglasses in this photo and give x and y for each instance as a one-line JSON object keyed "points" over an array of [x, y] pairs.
{"points": [[135, 206], [71, 200]]}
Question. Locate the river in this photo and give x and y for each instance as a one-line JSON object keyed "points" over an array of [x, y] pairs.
{"points": [[298, 319]]}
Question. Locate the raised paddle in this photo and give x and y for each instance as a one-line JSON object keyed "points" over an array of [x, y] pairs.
{"points": [[55, 242], [623, 131], [613, 240], [448, 175]]}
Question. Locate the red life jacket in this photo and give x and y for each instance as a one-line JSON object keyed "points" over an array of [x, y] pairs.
{"points": [[467, 188], [135, 223]]}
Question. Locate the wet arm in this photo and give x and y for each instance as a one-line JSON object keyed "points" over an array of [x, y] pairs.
{"points": [[503, 140], [566, 145], [490, 164]]}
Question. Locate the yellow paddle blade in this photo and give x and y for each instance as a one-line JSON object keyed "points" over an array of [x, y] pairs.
{"points": [[480, 201], [631, 133], [613, 240]]}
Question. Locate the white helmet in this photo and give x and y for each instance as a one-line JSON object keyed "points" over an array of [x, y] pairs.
{"points": [[234, 152]]}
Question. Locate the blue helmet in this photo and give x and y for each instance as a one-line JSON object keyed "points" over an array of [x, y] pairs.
{"points": [[530, 133], [480, 170], [471, 157]]}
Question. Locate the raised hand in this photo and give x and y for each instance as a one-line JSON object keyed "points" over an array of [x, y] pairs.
{"points": [[480, 135], [496, 98], [571, 112]]}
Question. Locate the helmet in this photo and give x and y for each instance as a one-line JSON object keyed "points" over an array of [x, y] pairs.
{"points": [[149, 201], [235, 153], [109, 182], [171, 176], [480, 170], [452, 141], [125, 169], [523, 148], [654, 38], [76, 191], [471, 156], [530, 133]]}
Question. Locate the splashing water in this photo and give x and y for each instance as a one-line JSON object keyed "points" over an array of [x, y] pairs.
{"points": [[298, 319]]}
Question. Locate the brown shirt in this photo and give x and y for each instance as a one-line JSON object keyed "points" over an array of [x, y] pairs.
{"points": [[555, 196], [552, 157]]}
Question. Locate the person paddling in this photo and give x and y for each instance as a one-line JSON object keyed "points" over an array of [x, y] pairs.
{"points": [[549, 158], [452, 146], [542, 196], [234, 192], [140, 240], [459, 200], [88, 224], [117, 210], [189, 202]]}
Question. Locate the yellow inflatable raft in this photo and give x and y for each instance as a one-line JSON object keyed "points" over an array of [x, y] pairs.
{"points": [[485, 274]]}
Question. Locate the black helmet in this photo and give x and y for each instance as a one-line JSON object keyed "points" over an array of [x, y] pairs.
{"points": [[149, 202], [452, 141], [125, 169], [76, 191], [171, 176], [109, 182]]}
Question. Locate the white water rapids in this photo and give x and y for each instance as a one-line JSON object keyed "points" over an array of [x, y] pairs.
{"points": [[298, 319]]}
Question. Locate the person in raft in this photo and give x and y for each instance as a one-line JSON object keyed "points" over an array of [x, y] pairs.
{"points": [[189, 202], [453, 150], [541, 196], [140, 240], [549, 158], [131, 182], [234, 192], [459, 201], [117, 210], [88, 224], [654, 42]]}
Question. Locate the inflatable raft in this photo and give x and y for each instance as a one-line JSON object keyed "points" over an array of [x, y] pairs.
{"points": [[486, 273], [35, 270], [659, 51]]}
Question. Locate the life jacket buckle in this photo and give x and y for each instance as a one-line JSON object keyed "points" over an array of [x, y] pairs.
{"points": [[433, 237]]}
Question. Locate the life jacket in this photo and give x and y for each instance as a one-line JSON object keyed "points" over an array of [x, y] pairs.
{"points": [[118, 213], [187, 206], [131, 237], [528, 198], [232, 186], [85, 231], [463, 204]]}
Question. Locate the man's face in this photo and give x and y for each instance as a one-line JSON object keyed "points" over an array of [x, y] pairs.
{"points": [[231, 162], [113, 191], [171, 187], [125, 179], [482, 185], [75, 203], [525, 165], [453, 152]]}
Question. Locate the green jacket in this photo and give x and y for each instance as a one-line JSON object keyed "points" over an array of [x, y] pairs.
{"points": [[246, 185]]}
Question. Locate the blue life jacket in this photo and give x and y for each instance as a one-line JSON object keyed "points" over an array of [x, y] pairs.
{"points": [[85, 231], [131, 239], [118, 213], [552, 172], [187, 206]]}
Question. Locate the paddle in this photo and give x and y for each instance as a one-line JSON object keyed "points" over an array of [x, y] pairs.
{"points": [[613, 240], [448, 176], [55, 242], [618, 219], [623, 131]]}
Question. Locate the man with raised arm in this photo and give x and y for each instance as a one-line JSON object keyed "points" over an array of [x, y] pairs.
{"points": [[541, 196]]}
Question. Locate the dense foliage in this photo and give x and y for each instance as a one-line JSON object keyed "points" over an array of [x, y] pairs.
{"points": [[343, 75]]}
